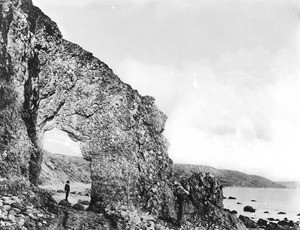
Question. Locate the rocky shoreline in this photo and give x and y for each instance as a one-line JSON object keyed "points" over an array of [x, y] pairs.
{"points": [[23, 207], [267, 223], [15, 213]]}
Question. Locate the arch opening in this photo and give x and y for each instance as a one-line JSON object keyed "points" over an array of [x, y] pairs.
{"points": [[63, 161], [57, 141]]}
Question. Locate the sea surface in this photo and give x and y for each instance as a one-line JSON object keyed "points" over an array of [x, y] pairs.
{"points": [[273, 200]]}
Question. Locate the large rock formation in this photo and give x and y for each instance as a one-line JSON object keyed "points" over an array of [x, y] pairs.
{"points": [[47, 82]]}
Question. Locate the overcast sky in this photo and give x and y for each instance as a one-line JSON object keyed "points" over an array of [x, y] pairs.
{"points": [[225, 72]]}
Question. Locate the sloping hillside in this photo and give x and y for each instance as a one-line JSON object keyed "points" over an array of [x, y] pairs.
{"points": [[289, 184], [57, 168], [226, 177]]}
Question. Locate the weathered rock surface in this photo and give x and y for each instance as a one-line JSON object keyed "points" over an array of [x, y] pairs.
{"points": [[25, 207], [47, 82], [248, 222]]}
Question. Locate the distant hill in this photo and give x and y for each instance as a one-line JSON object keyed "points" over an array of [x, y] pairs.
{"points": [[58, 168], [227, 178], [289, 184]]}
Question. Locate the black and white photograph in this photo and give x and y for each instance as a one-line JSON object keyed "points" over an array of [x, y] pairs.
{"points": [[149, 114]]}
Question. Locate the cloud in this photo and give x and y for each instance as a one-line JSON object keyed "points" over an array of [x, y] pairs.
{"points": [[57, 141], [89, 4], [223, 130], [65, 3], [172, 32], [225, 72], [239, 112]]}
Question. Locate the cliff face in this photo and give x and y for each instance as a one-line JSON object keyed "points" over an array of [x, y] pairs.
{"points": [[16, 145], [47, 82], [58, 84]]}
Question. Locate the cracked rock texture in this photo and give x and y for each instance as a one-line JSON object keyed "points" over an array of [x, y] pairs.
{"points": [[47, 82]]}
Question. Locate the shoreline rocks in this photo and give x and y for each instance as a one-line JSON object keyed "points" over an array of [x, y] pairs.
{"points": [[249, 208], [17, 213], [248, 222], [270, 223]]}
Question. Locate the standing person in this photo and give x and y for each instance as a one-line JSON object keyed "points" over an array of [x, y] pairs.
{"points": [[67, 190]]}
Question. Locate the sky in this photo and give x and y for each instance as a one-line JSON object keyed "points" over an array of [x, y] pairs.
{"points": [[225, 72]]}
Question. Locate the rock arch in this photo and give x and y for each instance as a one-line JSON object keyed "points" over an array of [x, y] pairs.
{"points": [[60, 85], [46, 82]]}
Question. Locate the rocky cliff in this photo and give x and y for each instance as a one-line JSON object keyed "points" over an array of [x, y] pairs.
{"points": [[47, 82]]}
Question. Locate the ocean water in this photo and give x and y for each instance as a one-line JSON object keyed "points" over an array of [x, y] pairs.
{"points": [[272, 200]]}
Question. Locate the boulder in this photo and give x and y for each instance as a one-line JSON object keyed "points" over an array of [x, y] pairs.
{"points": [[84, 202], [262, 222], [281, 213], [78, 206], [248, 222], [285, 223], [273, 226], [65, 203], [292, 224], [249, 208], [231, 198]]}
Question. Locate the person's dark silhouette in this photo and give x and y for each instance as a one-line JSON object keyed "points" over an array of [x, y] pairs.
{"points": [[67, 189]]}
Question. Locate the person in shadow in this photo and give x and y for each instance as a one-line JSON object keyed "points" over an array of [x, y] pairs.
{"points": [[67, 190]]}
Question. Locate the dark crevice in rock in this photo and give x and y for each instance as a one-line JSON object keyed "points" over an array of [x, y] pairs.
{"points": [[180, 202], [65, 219], [31, 94], [30, 107], [112, 219]]}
